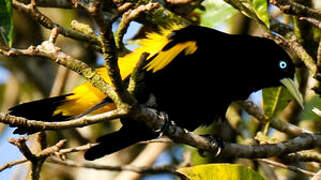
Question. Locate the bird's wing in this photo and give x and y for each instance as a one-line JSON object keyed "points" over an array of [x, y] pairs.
{"points": [[162, 47]]}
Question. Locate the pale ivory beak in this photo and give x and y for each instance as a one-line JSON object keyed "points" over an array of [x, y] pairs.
{"points": [[293, 88]]}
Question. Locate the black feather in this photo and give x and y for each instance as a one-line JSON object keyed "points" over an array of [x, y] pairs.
{"points": [[129, 134], [194, 89], [41, 110]]}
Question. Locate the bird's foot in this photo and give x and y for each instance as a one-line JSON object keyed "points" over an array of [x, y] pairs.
{"points": [[166, 125], [216, 142]]}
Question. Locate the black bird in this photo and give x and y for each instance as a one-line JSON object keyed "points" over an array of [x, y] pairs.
{"points": [[193, 72]]}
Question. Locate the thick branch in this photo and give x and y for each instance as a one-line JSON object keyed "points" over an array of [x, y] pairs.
{"points": [[179, 135], [290, 7], [301, 142]]}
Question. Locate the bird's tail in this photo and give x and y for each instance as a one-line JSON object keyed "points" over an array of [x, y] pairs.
{"points": [[42, 110], [126, 136]]}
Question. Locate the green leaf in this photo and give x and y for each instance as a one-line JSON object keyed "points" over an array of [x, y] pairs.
{"points": [[6, 22], [261, 9], [275, 99], [217, 11], [220, 171], [308, 114]]}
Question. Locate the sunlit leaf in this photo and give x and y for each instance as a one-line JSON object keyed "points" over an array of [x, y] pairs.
{"points": [[220, 171], [217, 11], [6, 22], [264, 139], [275, 99], [308, 114], [261, 9]]}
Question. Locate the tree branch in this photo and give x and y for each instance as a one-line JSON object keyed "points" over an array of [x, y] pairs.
{"points": [[293, 8], [13, 163], [129, 16], [41, 125], [303, 156], [48, 50], [278, 124], [292, 168], [109, 52], [302, 142], [49, 24], [144, 170], [36, 160], [65, 4]]}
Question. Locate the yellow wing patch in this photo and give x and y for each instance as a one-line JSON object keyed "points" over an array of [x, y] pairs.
{"points": [[155, 42], [86, 96], [165, 57]]}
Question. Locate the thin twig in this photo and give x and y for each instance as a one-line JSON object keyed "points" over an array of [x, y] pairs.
{"points": [[303, 156], [59, 83], [129, 16], [292, 168], [65, 4], [49, 24], [41, 125], [57, 151], [312, 21], [161, 140], [51, 151], [48, 50], [245, 10], [146, 158], [137, 74], [178, 2], [13, 163], [278, 124], [144, 170], [54, 34], [318, 25]]}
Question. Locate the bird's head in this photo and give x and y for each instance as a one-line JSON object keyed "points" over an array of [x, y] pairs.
{"points": [[282, 70]]}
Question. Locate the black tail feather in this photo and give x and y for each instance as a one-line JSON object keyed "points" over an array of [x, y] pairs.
{"points": [[126, 136], [41, 110]]}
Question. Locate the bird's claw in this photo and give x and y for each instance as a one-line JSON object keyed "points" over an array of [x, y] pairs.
{"points": [[201, 152], [216, 142], [185, 130], [167, 123]]}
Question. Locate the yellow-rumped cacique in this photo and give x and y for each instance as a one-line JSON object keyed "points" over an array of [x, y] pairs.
{"points": [[192, 72]]}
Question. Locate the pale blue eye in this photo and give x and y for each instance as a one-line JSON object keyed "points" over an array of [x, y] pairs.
{"points": [[283, 64]]}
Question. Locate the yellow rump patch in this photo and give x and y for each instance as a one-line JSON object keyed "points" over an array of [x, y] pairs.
{"points": [[84, 97]]}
